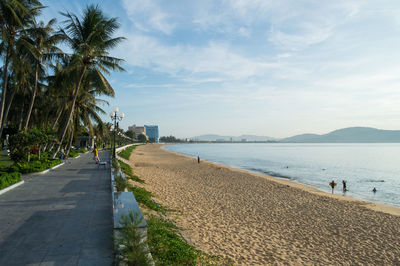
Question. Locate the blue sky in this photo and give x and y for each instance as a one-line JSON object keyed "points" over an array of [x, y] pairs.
{"points": [[272, 68]]}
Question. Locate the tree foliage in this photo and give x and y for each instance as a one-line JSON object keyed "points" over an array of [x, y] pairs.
{"points": [[44, 87]]}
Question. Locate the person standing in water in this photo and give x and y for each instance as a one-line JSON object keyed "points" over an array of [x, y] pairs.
{"points": [[344, 182], [333, 185]]}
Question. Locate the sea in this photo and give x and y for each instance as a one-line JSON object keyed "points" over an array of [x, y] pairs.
{"points": [[363, 166]]}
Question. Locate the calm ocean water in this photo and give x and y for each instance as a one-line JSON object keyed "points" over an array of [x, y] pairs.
{"points": [[363, 166]]}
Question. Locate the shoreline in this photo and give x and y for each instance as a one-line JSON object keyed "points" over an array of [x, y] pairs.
{"points": [[375, 206]]}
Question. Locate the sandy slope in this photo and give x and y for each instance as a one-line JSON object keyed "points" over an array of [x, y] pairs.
{"points": [[255, 220]]}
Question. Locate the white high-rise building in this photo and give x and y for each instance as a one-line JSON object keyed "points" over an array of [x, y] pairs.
{"points": [[137, 130]]}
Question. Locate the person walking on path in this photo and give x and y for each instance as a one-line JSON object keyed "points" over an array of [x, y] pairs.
{"points": [[96, 154], [63, 157]]}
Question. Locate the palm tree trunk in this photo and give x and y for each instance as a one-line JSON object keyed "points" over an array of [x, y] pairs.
{"points": [[28, 115], [57, 118], [70, 112], [21, 116], [4, 92], [7, 110], [53, 127], [70, 142]]}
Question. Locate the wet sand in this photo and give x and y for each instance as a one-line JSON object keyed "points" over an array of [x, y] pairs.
{"points": [[254, 219]]}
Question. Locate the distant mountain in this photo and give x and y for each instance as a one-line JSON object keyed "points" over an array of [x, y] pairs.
{"points": [[349, 135], [213, 137]]}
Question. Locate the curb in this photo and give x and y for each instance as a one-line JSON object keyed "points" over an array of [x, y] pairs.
{"points": [[4, 190], [47, 170]]}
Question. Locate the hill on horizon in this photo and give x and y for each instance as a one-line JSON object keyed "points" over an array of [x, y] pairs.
{"points": [[349, 135]]}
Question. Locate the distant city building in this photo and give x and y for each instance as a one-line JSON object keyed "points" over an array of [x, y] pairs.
{"points": [[244, 140], [151, 132], [137, 130]]}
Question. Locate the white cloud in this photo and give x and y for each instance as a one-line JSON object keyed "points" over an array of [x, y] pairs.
{"points": [[216, 59], [147, 15]]}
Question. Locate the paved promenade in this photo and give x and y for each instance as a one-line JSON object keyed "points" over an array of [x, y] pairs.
{"points": [[63, 217]]}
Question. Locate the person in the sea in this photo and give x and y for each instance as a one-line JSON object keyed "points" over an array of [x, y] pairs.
{"points": [[344, 182], [333, 185], [374, 190]]}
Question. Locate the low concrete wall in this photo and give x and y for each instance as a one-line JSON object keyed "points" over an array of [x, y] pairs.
{"points": [[123, 204]]}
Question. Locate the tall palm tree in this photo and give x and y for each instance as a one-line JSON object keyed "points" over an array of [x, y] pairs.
{"points": [[41, 42], [90, 39], [14, 16], [87, 105]]}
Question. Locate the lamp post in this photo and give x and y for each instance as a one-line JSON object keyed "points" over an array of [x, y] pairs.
{"points": [[116, 117]]}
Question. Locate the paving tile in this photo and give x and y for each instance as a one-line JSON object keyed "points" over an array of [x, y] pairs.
{"points": [[95, 262], [60, 260]]}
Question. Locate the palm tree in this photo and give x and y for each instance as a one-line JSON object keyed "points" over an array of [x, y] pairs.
{"points": [[87, 106], [14, 16], [90, 39], [42, 45]]}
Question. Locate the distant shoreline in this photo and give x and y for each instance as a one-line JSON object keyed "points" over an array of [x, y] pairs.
{"points": [[288, 181]]}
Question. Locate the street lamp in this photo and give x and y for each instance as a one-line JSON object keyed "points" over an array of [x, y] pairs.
{"points": [[116, 117]]}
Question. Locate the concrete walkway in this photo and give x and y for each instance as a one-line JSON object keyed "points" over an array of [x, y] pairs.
{"points": [[63, 217]]}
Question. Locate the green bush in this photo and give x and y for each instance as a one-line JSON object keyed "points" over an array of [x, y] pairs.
{"points": [[115, 164], [8, 179], [73, 153], [127, 169], [81, 150], [129, 246], [23, 143], [126, 153], [120, 183], [34, 166]]}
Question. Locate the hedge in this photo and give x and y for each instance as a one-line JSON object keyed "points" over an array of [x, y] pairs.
{"points": [[8, 179], [34, 166]]}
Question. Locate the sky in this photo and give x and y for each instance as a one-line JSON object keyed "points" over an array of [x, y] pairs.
{"points": [[262, 67]]}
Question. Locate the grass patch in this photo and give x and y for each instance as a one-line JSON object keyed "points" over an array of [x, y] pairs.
{"points": [[75, 152], [127, 169], [8, 179], [167, 246], [126, 153], [144, 197]]}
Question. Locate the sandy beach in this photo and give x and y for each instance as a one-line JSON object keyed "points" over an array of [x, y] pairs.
{"points": [[254, 219]]}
